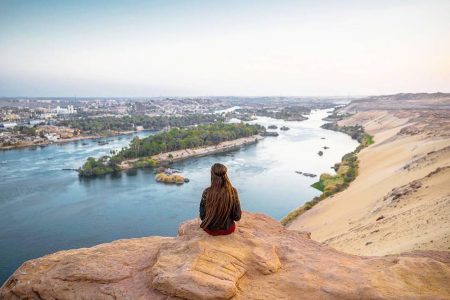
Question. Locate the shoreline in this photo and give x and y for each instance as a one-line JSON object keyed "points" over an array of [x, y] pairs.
{"points": [[184, 154], [297, 212], [69, 140]]}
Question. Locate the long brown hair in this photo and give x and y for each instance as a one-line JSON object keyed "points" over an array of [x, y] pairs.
{"points": [[220, 198]]}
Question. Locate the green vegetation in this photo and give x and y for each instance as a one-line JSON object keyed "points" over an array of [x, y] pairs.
{"points": [[144, 163], [292, 113], [346, 170], [369, 139], [107, 125], [102, 166], [335, 116], [178, 139], [318, 185], [356, 132], [29, 131], [175, 139]]}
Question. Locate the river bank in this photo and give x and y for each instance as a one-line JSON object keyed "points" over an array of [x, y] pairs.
{"points": [[69, 140], [400, 201], [180, 155], [346, 171]]}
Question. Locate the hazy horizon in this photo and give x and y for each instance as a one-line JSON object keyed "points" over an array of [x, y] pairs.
{"points": [[241, 49], [306, 97]]}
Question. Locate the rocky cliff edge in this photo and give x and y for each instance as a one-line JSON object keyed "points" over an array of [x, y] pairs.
{"points": [[262, 260]]}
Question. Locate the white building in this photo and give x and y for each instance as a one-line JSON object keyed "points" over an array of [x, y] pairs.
{"points": [[51, 137], [36, 122], [8, 125], [65, 111]]}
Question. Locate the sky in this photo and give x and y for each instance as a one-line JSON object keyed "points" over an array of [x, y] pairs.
{"points": [[217, 48]]}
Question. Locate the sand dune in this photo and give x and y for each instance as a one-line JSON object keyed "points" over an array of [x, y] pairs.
{"points": [[400, 200]]}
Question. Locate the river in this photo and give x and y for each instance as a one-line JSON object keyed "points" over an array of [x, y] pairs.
{"points": [[45, 209]]}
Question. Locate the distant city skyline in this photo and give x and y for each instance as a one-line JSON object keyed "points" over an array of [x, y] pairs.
{"points": [[221, 48]]}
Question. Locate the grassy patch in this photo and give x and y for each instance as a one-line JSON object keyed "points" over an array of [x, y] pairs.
{"points": [[144, 163], [298, 211], [318, 185], [369, 139], [292, 215]]}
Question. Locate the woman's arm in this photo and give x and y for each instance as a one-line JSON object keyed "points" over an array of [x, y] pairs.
{"points": [[237, 207], [202, 206]]}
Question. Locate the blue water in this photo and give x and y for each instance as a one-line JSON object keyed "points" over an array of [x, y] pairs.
{"points": [[44, 209]]}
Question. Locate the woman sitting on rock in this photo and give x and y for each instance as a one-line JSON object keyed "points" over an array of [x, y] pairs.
{"points": [[220, 205]]}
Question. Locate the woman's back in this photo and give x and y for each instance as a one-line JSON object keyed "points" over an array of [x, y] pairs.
{"points": [[220, 205], [227, 219]]}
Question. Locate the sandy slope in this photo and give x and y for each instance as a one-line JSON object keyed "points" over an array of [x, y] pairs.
{"points": [[403, 181]]}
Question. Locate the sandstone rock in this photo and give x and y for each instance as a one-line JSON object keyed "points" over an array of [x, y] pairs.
{"points": [[108, 271], [409, 130], [397, 193], [207, 267], [261, 260]]}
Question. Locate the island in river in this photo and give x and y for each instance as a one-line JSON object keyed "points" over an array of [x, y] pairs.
{"points": [[174, 145], [178, 155]]}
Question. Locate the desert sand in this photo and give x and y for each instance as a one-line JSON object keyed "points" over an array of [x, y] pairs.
{"points": [[400, 201]]}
